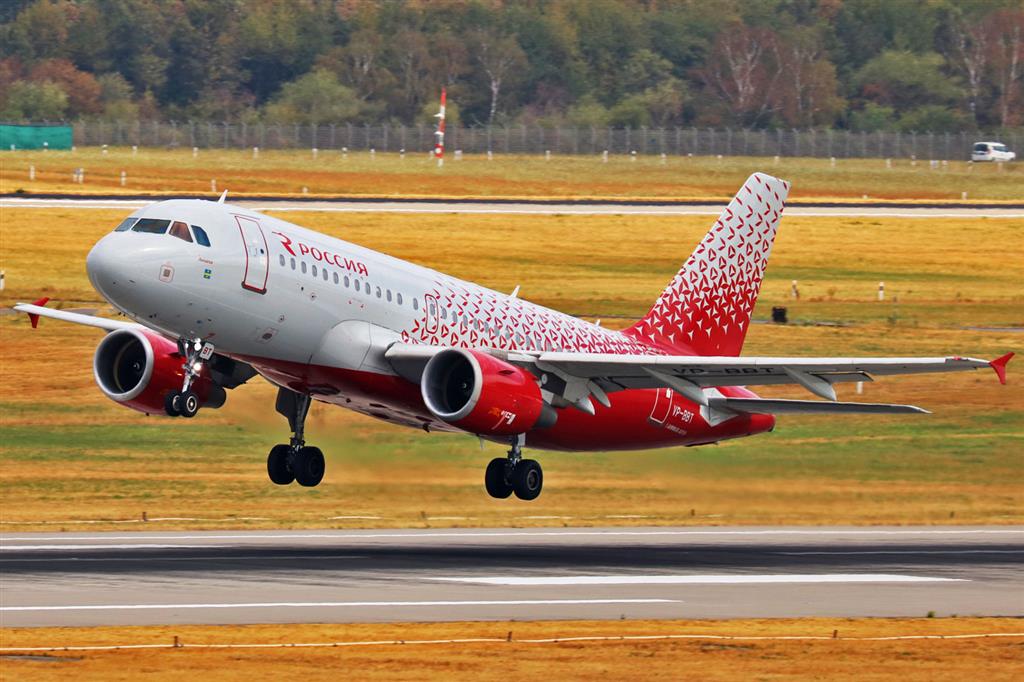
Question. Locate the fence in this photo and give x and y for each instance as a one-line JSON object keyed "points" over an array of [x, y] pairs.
{"points": [[521, 139]]}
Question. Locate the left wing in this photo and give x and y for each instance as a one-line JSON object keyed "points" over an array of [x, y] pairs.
{"points": [[578, 377]]}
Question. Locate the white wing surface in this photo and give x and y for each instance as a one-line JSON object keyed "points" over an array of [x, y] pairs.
{"points": [[579, 376]]}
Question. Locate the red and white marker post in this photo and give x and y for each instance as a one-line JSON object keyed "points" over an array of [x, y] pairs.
{"points": [[439, 133]]}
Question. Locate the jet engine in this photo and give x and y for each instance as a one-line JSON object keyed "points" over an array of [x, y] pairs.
{"points": [[138, 368], [482, 394]]}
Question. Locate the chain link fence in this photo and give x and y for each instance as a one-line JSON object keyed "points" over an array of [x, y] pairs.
{"points": [[522, 139]]}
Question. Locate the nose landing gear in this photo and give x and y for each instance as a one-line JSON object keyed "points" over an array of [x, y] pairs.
{"points": [[185, 403], [295, 461], [524, 477]]}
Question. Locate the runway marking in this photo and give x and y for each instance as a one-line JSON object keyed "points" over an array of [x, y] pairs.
{"points": [[733, 579], [211, 559], [14, 548], [426, 535], [712, 209], [334, 604], [904, 552]]}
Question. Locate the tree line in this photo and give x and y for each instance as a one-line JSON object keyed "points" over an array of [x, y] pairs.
{"points": [[864, 65]]}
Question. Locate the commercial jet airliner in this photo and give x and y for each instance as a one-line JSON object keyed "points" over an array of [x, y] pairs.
{"points": [[216, 294]]}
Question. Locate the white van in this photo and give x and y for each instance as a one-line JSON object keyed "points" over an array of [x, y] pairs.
{"points": [[991, 151]]}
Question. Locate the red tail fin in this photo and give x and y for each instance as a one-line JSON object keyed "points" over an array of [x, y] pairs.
{"points": [[706, 308]]}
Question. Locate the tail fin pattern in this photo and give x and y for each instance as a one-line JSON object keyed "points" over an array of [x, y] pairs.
{"points": [[706, 308]]}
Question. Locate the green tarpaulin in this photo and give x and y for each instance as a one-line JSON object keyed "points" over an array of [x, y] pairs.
{"points": [[34, 137]]}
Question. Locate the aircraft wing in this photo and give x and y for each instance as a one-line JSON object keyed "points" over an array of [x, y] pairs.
{"points": [[37, 310], [577, 377]]}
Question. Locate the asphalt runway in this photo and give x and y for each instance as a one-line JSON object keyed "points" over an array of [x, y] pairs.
{"points": [[75, 579], [538, 208]]}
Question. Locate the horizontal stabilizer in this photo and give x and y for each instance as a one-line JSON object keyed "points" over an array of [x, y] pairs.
{"points": [[769, 406]]}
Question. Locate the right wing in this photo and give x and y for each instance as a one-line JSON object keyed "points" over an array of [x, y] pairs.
{"points": [[37, 310]]}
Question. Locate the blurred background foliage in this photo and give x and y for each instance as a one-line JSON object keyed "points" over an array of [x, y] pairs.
{"points": [[911, 65]]}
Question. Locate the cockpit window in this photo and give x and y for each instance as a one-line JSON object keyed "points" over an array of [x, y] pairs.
{"points": [[125, 225], [151, 225], [180, 230], [201, 237]]}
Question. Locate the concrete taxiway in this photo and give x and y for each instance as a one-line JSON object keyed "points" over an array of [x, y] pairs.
{"points": [[540, 207], [478, 574]]}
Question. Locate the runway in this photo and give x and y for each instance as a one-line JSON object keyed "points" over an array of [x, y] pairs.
{"points": [[77, 579], [505, 207]]}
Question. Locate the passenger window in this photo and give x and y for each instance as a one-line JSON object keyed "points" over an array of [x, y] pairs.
{"points": [[281, 259], [314, 270], [325, 274], [399, 296], [125, 225], [378, 292], [293, 263], [201, 238], [151, 225], [303, 267], [180, 230], [389, 295], [336, 279], [415, 304], [346, 281], [356, 284]]}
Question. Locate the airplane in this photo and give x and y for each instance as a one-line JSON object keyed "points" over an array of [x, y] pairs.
{"points": [[216, 294]]}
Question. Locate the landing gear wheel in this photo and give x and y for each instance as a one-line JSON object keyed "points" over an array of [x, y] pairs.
{"points": [[308, 465], [277, 465], [188, 404], [171, 404], [527, 479], [494, 479]]}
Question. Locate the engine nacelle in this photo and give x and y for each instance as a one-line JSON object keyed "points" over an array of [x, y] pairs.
{"points": [[138, 368], [482, 394]]}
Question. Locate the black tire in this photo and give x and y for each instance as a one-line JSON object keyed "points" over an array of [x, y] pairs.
{"points": [[188, 403], [309, 466], [277, 465], [494, 479], [527, 479], [171, 402]]}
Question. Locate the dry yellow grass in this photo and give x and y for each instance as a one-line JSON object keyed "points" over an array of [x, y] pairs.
{"points": [[706, 657], [104, 463], [289, 172]]}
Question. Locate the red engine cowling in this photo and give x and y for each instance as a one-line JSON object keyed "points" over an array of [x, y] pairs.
{"points": [[482, 394], [137, 368]]}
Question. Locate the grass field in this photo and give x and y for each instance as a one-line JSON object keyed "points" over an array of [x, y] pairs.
{"points": [[70, 458], [704, 650], [357, 174]]}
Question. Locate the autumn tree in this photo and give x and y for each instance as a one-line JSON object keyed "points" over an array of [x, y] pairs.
{"points": [[743, 70]]}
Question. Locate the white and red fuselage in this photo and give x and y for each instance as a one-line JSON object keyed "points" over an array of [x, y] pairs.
{"points": [[316, 315]]}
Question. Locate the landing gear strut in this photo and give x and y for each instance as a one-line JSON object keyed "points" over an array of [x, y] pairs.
{"points": [[524, 477], [185, 403], [295, 461]]}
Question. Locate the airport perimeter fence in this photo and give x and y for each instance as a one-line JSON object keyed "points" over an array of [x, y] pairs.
{"points": [[521, 139]]}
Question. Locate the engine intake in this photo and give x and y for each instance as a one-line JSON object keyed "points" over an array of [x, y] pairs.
{"points": [[482, 394], [137, 368]]}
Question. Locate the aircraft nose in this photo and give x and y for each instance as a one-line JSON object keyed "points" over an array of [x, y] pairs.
{"points": [[102, 265]]}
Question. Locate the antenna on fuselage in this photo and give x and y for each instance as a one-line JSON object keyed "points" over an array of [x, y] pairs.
{"points": [[223, 196], [515, 292]]}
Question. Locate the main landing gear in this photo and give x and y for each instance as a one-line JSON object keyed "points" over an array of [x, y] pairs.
{"points": [[524, 477], [185, 403], [295, 461]]}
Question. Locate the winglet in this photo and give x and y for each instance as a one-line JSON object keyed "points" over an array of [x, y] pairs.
{"points": [[33, 318], [999, 365]]}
